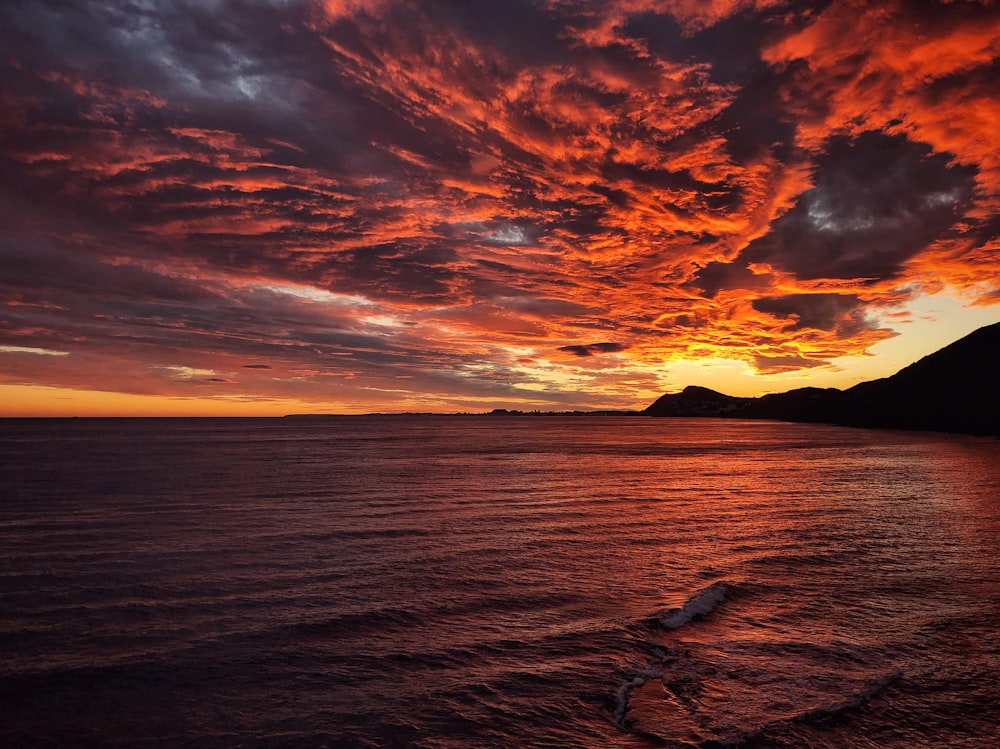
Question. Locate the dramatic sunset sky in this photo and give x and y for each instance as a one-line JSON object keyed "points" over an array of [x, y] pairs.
{"points": [[272, 206]]}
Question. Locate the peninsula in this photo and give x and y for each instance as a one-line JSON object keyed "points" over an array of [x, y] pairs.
{"points": [[956, 389]]}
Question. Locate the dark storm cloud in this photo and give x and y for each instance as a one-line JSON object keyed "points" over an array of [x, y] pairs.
{"points": [[878, 201], [590, 349], [755, 120], [544, 308], [838, 313], [784, 363], [37, 272], [716, 276], [418, 274], [230, 180], [159, 316]]}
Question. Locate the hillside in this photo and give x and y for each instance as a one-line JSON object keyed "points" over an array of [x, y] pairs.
{"points": [[952, 390]]}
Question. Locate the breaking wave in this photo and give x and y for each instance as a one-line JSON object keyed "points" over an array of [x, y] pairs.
{"points": [[638, 679], [702, 603], [823, 712]]}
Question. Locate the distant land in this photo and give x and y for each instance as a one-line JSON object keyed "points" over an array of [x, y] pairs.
{"points": [[956, 389], [494, 412]]}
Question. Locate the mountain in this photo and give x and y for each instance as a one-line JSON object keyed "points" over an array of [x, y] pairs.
{"points": [[956, 389]]}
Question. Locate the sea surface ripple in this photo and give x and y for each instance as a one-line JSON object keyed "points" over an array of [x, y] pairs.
{"points": [[496, 581]]}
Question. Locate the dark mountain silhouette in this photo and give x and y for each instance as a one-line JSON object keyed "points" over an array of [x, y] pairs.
{"points": [[956, 389]]}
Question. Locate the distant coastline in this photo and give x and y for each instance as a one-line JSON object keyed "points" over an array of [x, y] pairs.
{"points": [[494, 412]]}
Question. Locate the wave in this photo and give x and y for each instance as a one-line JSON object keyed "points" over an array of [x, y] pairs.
{"points": [[715, 731], [638, 679], [702, 603], [762, 735], [824, 712]]}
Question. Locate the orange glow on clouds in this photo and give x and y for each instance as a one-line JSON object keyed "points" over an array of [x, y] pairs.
{"points": [[378, 205]]}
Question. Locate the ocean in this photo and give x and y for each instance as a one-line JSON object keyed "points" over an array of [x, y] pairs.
{"points": [[449, 582]]}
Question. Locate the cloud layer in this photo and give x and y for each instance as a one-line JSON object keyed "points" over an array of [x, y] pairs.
{"points": [[379, 202]]}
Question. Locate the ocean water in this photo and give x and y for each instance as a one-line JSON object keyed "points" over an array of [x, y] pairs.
{"points": [[470, 581]]}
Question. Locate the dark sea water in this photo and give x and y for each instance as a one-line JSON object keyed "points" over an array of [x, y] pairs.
{"points": [[447, 582]]}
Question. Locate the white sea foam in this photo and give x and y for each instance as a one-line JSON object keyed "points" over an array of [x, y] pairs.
{"points": [[622, 693], [701, 603]]}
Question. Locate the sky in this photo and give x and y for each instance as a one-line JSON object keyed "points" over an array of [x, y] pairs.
{"points": [[257, 207]]}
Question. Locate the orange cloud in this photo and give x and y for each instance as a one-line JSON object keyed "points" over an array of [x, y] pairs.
{"points": [[466, 197]]}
